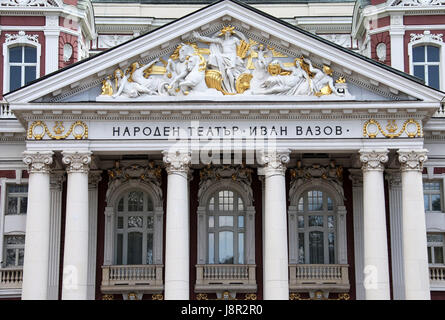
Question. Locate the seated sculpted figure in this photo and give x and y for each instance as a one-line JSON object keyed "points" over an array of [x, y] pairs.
{"points": [[320, 79], [137, 75], [295, 83], [126, 88]]}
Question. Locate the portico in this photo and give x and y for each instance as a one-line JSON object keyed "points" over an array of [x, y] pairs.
{"points": [[265, 182]]}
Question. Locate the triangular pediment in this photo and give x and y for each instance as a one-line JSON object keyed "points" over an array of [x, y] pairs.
{"points": [[226, 51]]}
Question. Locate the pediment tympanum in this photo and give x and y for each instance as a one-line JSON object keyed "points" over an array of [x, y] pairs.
{"points": [[223, 64]]}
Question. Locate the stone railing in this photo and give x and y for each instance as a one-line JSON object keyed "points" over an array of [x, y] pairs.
{"points": [[11, 278], [440, 113], [225, 276], [146, 278], [5, 112], [437, 277], [319, 276]]}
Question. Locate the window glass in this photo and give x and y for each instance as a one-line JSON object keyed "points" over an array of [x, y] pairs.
{"points": [[15, 54], [433, 76], [433, 54], [225, 221], [301, 247], [240, 221], [30, 54], [331, 245], [15, 77], [211, 248], [300, 222], [136, 201], [134, 222], [419, 72], [419, 54], [225, 247], [438, 254], [17, 199], [14, 250], [240, 248], [149, 249], [119, 249], [316, 252], [134, 248], [315, 221]]}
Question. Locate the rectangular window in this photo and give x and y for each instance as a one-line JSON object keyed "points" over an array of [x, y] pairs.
{"points": [[17, 199], [14, 250], [432, 195], [426, 64], [22, 66], [435, 248]]}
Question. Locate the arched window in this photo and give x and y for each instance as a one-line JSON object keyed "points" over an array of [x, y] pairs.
{"points": [[226, 228], [316, 224], [426, 64], [134, 229], [22, 65]]}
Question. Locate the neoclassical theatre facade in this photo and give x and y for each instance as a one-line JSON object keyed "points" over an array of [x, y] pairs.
{"points": [[227, 154]]}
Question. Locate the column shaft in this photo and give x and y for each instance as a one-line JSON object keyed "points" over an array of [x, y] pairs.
{"points": [[35, 267], [75, 262], [177, 245], [276, 262], [376, 271], [417, 282]]}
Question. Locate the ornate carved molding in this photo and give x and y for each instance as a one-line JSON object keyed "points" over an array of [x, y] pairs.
{"points": [[38, 162], [21, 36], [30, 3], [426, 36], [38, 130], [394, 178], [177, 162], [410, 127], [412, 160], [149, 175], [275, 162], [94, 178], [373, 160], [418, 3], [330, 172], [226, 174], [77, 162]]}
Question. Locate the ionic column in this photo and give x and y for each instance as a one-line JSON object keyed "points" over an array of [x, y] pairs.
{"points": [[415, 257], [276, 262], [35, 266], [177, 239], [75, 262], [376, 271]]}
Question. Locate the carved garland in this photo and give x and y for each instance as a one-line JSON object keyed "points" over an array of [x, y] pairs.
{"points": [[411, 127], [38, 129]]}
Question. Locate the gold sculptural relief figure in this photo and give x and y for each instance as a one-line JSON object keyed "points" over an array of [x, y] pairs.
{"points": [[232, 64]]}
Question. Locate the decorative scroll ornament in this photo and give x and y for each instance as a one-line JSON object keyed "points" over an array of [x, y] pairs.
{"points": [[202, 296], [412, 160], [420, 3], [21, 36], [150, 173], [77, 162], [177, 161], [38, 162], [373, 159], [38, 130], [426, 36], [157, 296], [275, 162], [331, 172], [30, 3], [411, 127], [231, 65], [237, 173], [318, 295]]}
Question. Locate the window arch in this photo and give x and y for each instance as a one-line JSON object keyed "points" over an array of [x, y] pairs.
{"points": [[226, 228], [316, 228], [317, 223], [427, 58], [134, 229], [21, 64], [226, 223], [426, 64]]}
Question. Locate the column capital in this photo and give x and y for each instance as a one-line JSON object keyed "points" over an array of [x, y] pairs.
{"points": [[177, 162], [77, 161], [274, 162], [373, 159], [38, 161], [94, 178], [412, 160]]}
